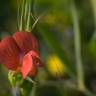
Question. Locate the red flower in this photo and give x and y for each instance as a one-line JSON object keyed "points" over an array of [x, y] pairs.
{"points": [[20, 52]]}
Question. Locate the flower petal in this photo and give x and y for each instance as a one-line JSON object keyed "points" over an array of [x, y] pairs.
{"points": [[26, 41], [38, 62], [28, 68], [36, 58], [9, 53]]}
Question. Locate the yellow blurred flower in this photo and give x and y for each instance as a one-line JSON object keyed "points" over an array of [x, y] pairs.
{"points": [[55, 66], [50, 19]]}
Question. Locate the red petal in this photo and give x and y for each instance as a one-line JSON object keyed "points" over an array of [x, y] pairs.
{"points": [[26, 41], [28, 68], [38, 62], [36, 58], [9, 53]]}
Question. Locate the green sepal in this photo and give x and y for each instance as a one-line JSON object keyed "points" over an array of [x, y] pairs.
{"points": [[15, 78]]}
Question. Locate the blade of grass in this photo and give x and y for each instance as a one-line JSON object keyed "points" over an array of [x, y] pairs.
{"points": [[21, 18], [38, 18], [25, 10], [29, 16], [36, 21], [93, 3], [77, 42], [26, 13], [32, 16], [18, 14]]}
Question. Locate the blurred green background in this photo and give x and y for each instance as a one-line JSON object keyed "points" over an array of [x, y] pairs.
{"points": [[56, 35]]}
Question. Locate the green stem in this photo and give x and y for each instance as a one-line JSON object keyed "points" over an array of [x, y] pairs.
{"points": [[36, 21], [25, 11], [93, 3], [80, 72], [18, 14], [33, 93], [21, 19], [29, 15]]}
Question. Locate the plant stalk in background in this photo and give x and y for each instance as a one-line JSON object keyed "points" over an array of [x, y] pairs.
{"points": [[80, 72]]}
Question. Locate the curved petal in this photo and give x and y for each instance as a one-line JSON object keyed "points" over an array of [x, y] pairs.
{"points": [[9, 53], [26, 41], [28, 68], [38, 62], [36, 58]]}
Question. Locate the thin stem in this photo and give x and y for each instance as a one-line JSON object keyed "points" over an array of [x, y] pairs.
{"points": [[33, 16], [18, 14], [80, 72], [93, 2], [25, 11], [21, 19], [33, 90], [30, 80], [36, 21], [29, 15]]}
